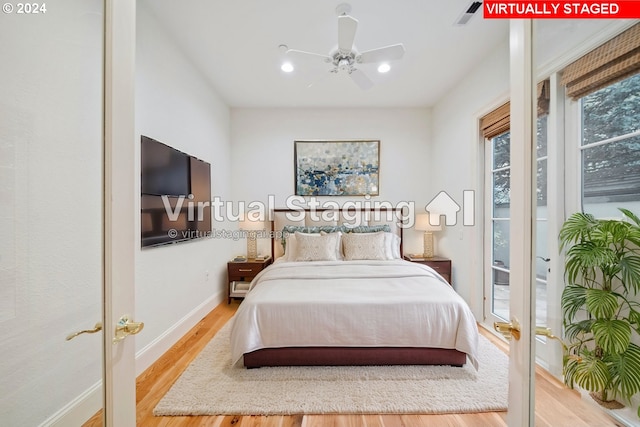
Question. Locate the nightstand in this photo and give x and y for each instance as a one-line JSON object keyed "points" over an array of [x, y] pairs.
{"points": [[439, 264], [241, 273]]}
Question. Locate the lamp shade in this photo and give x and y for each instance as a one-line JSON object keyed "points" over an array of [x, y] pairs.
{"points": [[250, 225], [423, 224]]}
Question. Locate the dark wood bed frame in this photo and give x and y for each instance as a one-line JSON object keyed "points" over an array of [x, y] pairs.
{"points": [[351, 356]]}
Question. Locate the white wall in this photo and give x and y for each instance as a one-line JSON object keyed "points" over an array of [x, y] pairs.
{"points": [[455, 138], [176, 285], [262, 153]]}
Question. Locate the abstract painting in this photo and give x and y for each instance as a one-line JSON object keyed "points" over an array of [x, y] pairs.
{"points": [[337, 168]]}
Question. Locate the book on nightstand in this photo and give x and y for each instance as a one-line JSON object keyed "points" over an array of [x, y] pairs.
{"points": [[416, 257]]}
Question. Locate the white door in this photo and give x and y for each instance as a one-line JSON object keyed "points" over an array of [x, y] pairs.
{"points": [[63, 215], [119, 218], [51, 126], [522, 227]]}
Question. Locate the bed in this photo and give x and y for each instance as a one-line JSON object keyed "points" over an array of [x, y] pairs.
{"points": [[349, 300]]}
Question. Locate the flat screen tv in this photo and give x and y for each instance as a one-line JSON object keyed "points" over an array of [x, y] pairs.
{"points": [[175, 195]]}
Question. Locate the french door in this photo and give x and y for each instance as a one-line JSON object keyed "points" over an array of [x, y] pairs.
{"points": [[65, 237]]}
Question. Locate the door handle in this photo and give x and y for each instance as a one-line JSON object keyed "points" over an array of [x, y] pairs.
{"points": [[126, 327], [96, 328], [508, 329], [512, 329]]}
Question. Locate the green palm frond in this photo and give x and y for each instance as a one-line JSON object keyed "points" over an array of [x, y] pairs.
{"points": [[630, 272], [574, 298], [583, 258], [630, 215], [613, 336], [634, 319], [588, 372], [574, 329], [576, 228], [625, 371], [601, 303]]}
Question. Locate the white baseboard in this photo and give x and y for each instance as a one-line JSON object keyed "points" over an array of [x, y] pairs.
{"points": [[147, 355], [79, 410]]}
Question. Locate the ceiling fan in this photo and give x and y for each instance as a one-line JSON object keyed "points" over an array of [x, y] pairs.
{"points": [[346, 58]]}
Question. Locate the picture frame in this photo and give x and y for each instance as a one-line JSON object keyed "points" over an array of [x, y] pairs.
{"points": [[337, 168]]}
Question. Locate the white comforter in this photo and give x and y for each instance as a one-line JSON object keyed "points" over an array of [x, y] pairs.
{"points": [[352, 303]]}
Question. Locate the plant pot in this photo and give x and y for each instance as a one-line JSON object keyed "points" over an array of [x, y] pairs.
{"points": [[609, 404]]}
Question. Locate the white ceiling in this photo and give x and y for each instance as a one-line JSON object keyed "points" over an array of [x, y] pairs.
{"points": [[235, 44]]}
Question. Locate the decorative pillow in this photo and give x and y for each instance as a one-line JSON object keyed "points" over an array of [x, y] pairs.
{"points": [[367, 228], [289, 230], [364, 246], [316, 247], [339, 254]]}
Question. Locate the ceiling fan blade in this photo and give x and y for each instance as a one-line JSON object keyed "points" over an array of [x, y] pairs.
{"points": [[347, 27], [381, 54], [361, 79], [307, 55]]}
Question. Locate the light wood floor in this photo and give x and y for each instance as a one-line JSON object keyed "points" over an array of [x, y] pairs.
{"points": [[556, 406]]}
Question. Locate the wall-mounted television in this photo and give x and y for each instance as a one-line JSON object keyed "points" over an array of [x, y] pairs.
{"points": [[173, 185]]}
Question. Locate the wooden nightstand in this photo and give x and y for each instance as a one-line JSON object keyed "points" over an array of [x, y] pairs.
{"points": [[439, 264], [241, 273]]}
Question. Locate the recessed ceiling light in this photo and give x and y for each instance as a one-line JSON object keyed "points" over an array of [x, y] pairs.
{"points": [[287, 67], [383, 68]]}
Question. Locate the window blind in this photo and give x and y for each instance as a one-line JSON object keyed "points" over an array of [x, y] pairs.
{"points": [[613, 61], [498, 121]]}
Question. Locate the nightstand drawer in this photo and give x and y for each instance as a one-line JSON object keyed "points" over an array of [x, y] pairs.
{"points": [[439, 267], [244, 269]]}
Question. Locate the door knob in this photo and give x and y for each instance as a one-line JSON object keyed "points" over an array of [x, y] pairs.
{"points": [[126, 327], [96, 328], [508, 329]]}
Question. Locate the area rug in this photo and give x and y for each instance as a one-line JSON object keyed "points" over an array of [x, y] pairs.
{"points": [[211, 386]]}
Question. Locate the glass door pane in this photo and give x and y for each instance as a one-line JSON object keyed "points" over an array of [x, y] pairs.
{"points": [[500, 202], [51, 216]]}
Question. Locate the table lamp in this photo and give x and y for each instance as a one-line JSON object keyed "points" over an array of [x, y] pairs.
{"points": [[252, 243], [423, 224]]}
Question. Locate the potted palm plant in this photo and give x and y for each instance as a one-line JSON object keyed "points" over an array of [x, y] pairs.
{"points": [[600, 305]]}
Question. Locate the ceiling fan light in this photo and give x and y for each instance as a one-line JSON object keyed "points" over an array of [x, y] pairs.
{"points": [[384, 68], [287, 67]]}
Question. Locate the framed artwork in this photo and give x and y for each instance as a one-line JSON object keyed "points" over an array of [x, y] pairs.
{"points": [[337, 168]]}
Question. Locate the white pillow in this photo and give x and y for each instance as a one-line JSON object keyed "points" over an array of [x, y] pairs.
{"points": [[364, 246], [290, 248], [316, 247], [339, 254], [392, 246]]}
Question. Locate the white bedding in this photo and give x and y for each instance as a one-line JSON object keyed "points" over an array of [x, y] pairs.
{"points": [[352, 303]]}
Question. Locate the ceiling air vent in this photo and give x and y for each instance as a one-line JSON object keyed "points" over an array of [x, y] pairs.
{"points": [[467, 14]]}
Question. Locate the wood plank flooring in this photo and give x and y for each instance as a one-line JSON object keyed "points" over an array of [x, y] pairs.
{"points": [[556, 406]]}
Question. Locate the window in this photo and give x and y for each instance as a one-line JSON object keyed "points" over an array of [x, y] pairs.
{"points": [[610, 149]]}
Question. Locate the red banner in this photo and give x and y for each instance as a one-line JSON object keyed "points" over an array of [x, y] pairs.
{"points": [[561, 9]]}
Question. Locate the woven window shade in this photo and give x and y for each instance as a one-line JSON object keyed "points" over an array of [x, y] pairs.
{"points": [[543, 93], [613, 61], [496, 122], [499, 120]]}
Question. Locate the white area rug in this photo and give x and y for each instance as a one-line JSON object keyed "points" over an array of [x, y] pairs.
{"points": [[211, 386]]}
